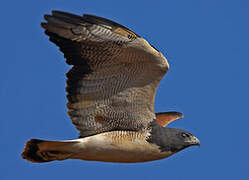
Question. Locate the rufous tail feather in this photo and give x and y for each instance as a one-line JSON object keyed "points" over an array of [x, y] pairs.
{"points": [[39, 151]]}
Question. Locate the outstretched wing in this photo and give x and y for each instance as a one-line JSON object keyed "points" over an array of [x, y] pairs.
{"points": [[115, 73]]}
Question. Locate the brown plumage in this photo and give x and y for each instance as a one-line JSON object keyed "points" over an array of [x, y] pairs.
{"points": [[110, 89]]}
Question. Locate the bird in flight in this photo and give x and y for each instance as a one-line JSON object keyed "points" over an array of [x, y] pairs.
{"points": [[111, 91]]}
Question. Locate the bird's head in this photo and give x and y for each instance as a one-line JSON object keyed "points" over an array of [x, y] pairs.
{"points": [[170, 140], [177, 139]]}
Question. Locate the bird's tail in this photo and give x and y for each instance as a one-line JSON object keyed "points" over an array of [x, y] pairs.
{"points": [[39, 151]]}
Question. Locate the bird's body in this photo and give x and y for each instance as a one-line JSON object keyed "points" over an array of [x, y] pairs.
{"points": [[119, 146], [111, 91], [116, 146]]}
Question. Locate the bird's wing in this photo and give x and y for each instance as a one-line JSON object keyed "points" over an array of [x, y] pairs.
{"points": [[115, 73], [164, 118]]}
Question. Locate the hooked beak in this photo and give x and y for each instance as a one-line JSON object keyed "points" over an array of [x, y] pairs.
{"points": [[195, 141]]}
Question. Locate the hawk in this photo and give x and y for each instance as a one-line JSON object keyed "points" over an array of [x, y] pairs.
{"points": [[111, 91]]}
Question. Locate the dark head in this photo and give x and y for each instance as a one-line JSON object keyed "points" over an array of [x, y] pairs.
{"points": [[177, 139], [171, 139]]}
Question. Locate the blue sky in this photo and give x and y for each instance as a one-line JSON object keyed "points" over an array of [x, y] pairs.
{"points": [[206, 44]]}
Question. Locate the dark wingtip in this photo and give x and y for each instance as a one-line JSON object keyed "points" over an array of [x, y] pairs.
{"points": [[47, 17], [59, 13], [56, 12], [44, 25], [30, 151]]}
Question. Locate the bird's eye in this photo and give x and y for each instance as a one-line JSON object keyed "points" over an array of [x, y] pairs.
{"points": [[185, 135]]}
